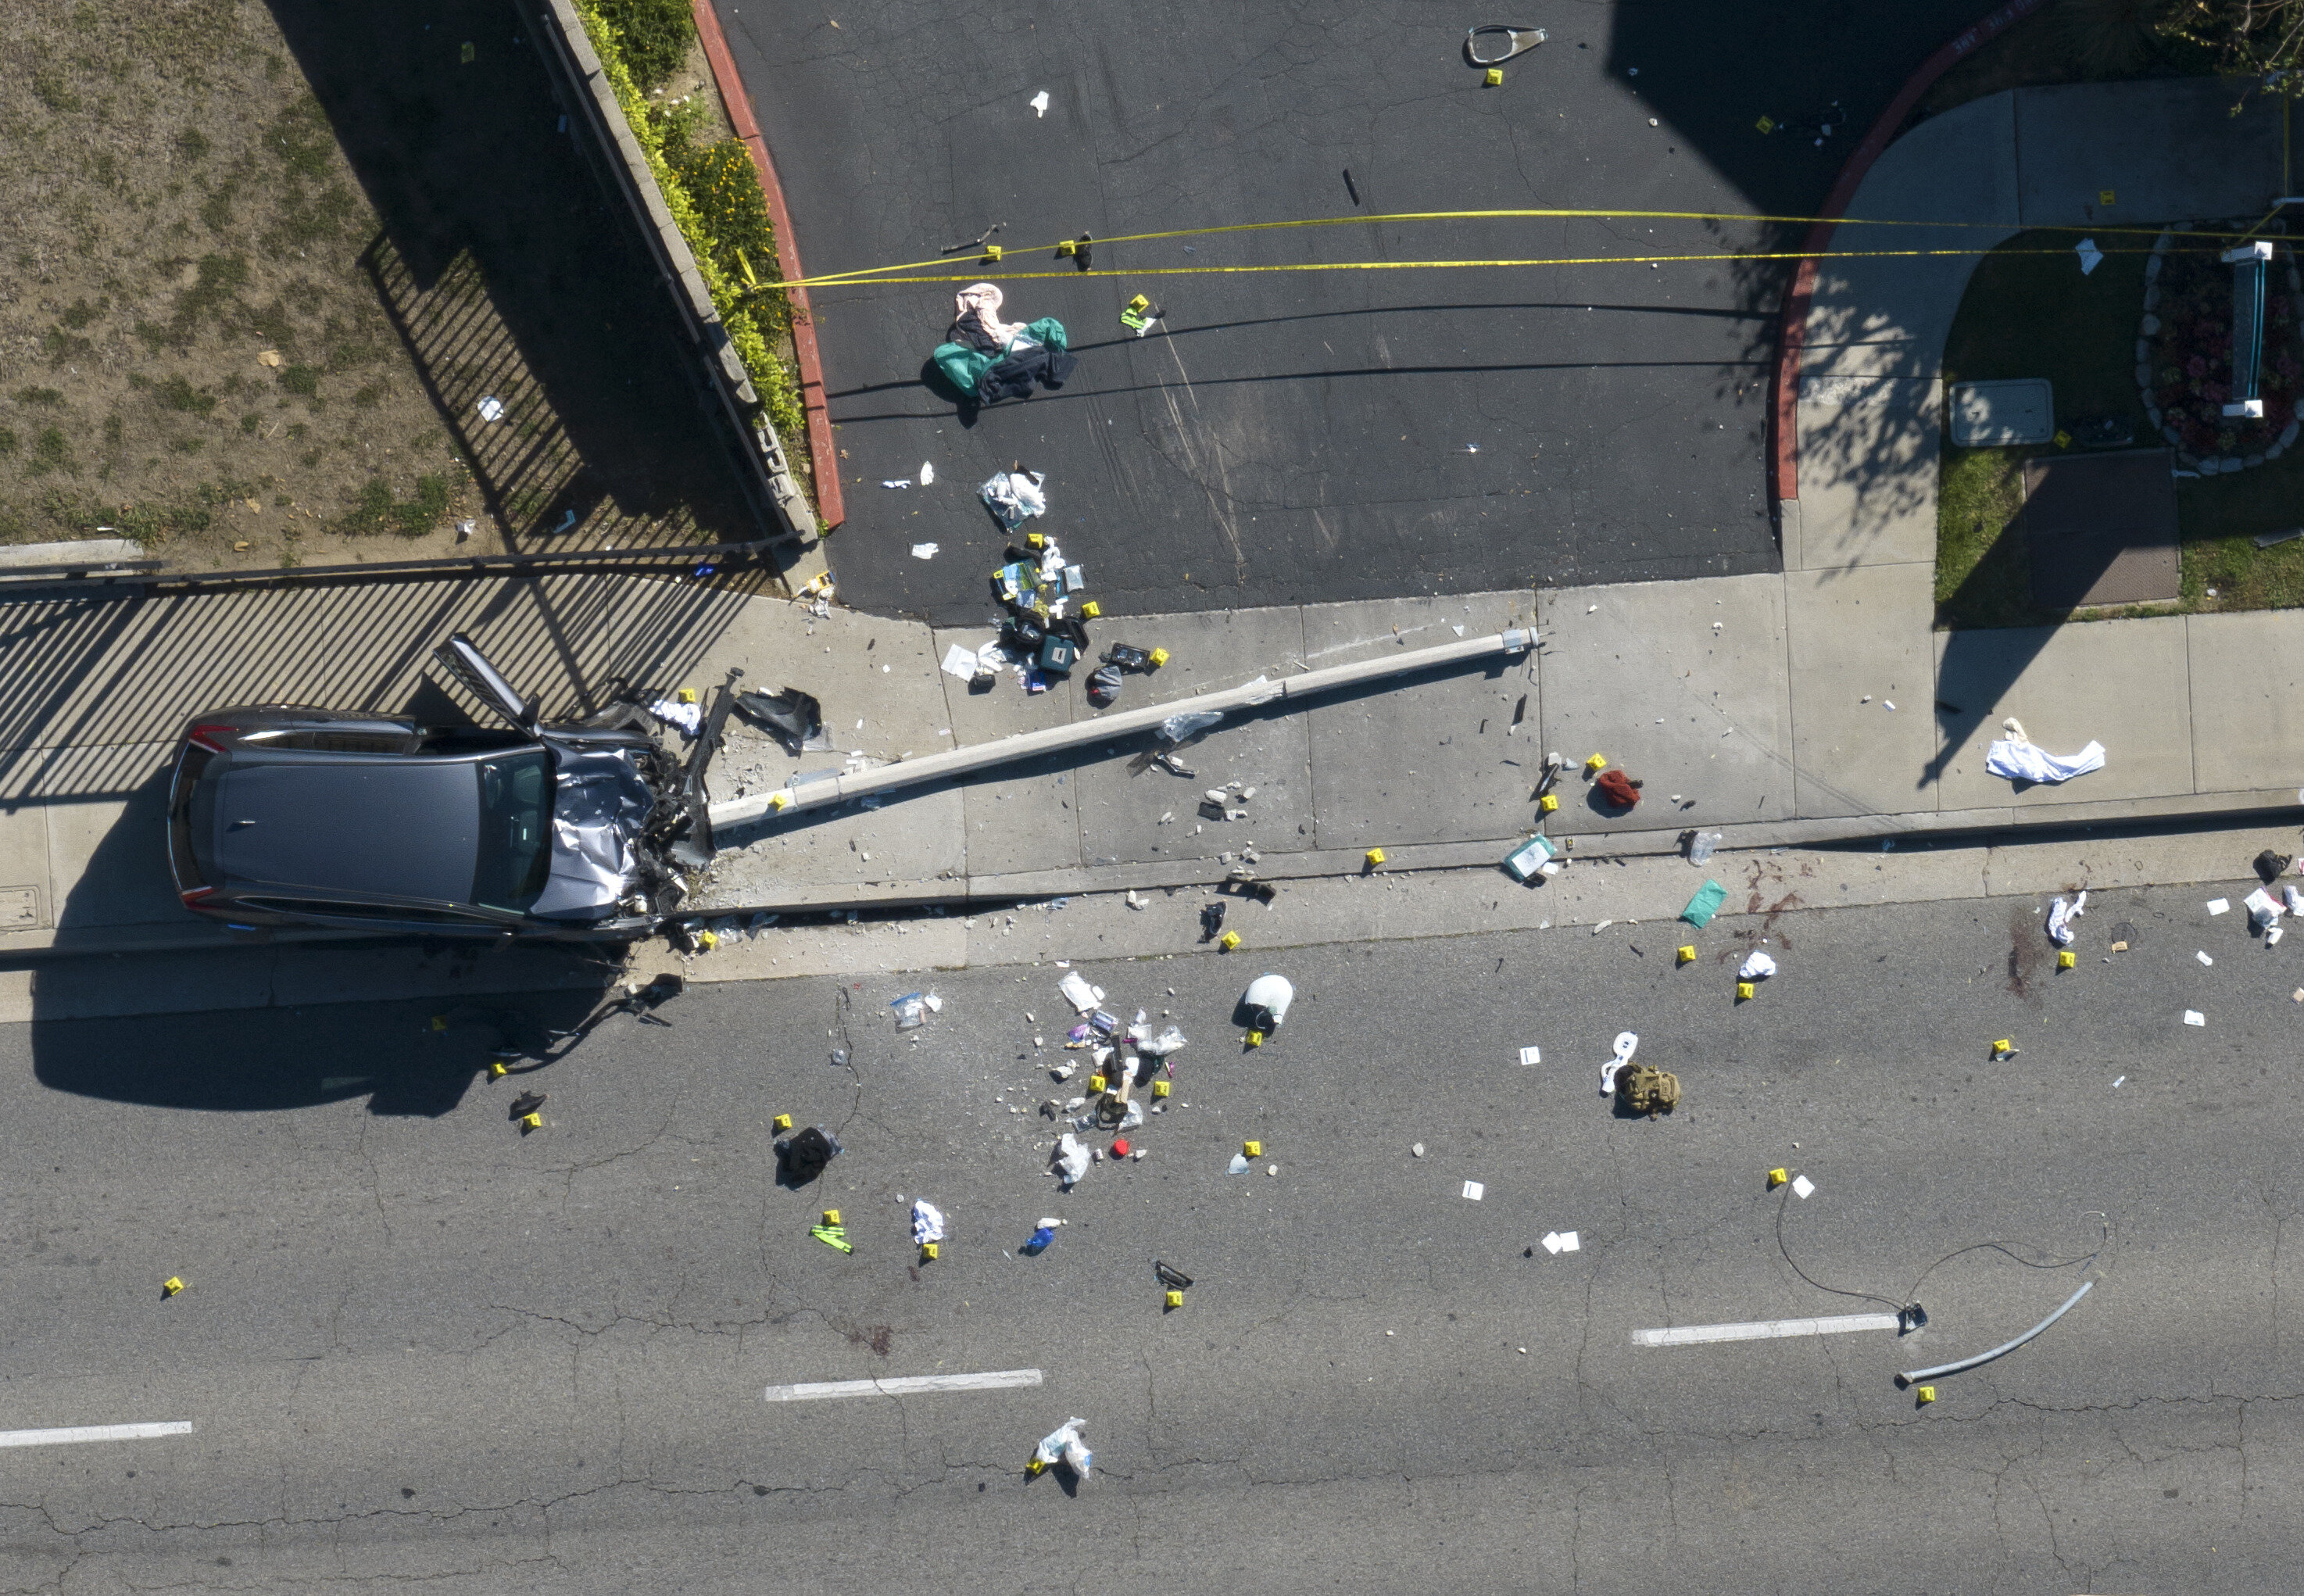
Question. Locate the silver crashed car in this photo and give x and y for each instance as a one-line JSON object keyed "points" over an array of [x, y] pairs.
{"points": [[285, 815]]}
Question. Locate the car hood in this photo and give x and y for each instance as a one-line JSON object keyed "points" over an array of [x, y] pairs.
{"points": [[390, 827], [600, 810]]}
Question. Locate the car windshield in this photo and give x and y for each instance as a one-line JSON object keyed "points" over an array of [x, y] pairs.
{"points": [[515, 854]]}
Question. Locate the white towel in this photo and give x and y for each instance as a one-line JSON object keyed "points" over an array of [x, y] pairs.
{"points": [[2025, 761]]}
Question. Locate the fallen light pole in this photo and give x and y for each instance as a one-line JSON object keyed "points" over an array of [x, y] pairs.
{"points": [[831, 787], [1916, 1376]]}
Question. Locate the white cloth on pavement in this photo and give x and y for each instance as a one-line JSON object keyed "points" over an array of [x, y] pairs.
{"points": [[927, 1224], [2018, 759], [2061, 916], [1758, 967]]}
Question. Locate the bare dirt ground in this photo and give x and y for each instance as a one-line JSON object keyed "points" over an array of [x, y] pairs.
{"points": [[306, 284]]}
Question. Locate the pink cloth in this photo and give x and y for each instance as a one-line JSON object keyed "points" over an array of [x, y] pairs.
{"points": [[984, 299]]}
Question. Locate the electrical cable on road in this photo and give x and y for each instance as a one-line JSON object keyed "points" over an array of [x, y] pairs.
{"points": [[1912, 1297]]}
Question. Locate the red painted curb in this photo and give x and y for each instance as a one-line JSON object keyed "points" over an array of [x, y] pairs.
{"points": [[831, 507], [1792, 330]]}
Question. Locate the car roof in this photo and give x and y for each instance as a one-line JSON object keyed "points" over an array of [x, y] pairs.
{"points": [[347, 825]]}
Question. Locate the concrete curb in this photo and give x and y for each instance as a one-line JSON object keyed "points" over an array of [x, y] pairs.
{"points": [[832, 507], [1792, 337], [1956, 828], [1977, 828]]}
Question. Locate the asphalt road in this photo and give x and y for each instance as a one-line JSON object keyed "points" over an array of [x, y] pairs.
{"points": [[1314, 436], [416, 1345]]}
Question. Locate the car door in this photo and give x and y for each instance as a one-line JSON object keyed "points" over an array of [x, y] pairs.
{"points": [[461, 658]]}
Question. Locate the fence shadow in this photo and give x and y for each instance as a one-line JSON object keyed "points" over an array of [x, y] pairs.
{"points": [[93, 691]]}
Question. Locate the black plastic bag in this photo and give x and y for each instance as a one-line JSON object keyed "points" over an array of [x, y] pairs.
{"points": [[804, 1156], [791, 716]]}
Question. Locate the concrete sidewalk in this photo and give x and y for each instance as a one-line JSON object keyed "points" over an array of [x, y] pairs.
{"points": [[1812, 706], [2191, 708]]}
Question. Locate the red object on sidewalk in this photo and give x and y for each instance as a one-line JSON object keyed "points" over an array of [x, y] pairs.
{"points": [[1617, 788], [831, 507], [1792, 332], [1119, 1148]]}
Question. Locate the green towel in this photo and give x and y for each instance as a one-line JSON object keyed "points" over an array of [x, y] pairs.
{"points": [[1704, 905], [832, 1235]]}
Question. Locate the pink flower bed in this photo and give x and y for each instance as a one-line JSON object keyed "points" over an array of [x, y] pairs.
{"points": [[2190, 361]]}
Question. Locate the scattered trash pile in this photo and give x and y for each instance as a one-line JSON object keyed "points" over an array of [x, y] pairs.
{"points": [[2266, 911], [1540, 858], [1121, 1060], [1043, 637]]}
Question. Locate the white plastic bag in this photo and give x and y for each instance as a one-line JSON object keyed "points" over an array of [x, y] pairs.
{"points": [[2061, 916], [1627, 1043], [2264, 909], [1759, 966], [1014, 496], [1068, 1444], [1177, 727], [928, 1223], [1071, 1159]]}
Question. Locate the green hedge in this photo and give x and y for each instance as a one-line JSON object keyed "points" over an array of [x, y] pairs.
{"points": [[653, 36], [714, 195]]}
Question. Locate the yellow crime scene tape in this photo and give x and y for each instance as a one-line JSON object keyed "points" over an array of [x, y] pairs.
{"points": [[1389, 266], [911, 271]]}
